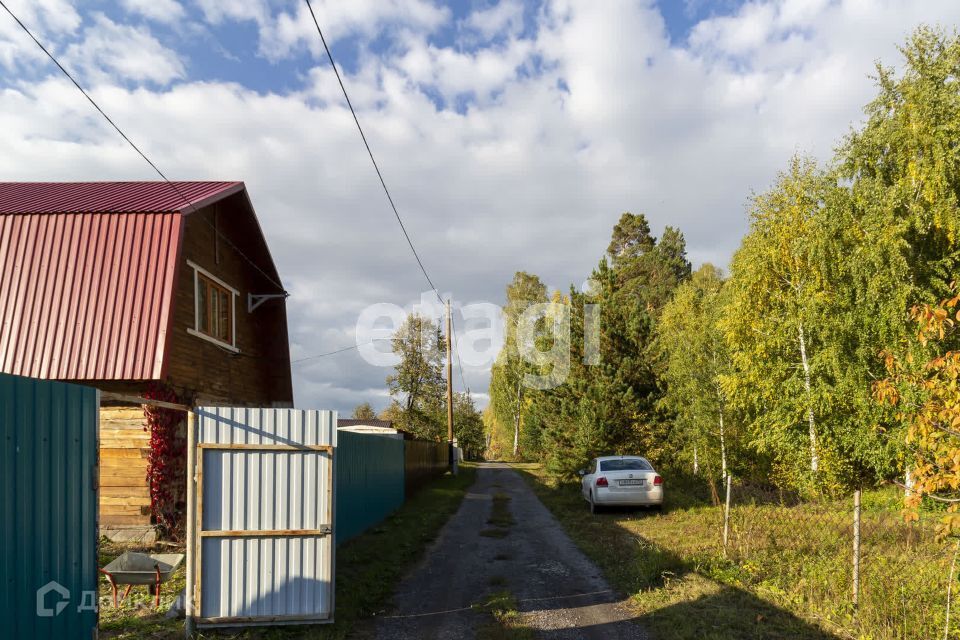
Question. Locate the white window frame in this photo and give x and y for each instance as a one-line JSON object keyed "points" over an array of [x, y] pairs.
{"points": [[195, 329]]}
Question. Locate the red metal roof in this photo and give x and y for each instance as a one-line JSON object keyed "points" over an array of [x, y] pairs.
{"points": [[86, 296], [110, 197], [87, 275]]}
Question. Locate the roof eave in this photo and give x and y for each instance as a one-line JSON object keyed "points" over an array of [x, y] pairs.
{"points": [[266, 245], [236, 187]]}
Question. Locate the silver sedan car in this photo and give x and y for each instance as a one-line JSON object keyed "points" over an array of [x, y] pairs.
{"points": [[621, 480]]}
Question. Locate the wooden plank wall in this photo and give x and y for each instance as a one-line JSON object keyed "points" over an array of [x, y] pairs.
{"points": [[124, 494], [259, 376], [423, 461]]}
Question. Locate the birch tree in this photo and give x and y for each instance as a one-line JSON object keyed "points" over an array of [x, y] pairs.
{"points": [[506, 375], [696, 360], [902, 227], [778, 295]]}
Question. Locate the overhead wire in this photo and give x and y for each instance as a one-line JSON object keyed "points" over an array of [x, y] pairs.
{"points": [[331, 353], [456, 349], [193, 207], [376, 167], [383, 182], [143, 155]]}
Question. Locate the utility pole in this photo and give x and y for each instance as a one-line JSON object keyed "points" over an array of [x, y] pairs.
{"points": [[453, 459]]}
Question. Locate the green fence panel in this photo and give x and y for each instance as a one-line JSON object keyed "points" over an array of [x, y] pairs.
{"points": [[369, 481], [48, 509]]}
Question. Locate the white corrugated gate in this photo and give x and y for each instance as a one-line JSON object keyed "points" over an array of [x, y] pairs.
{"points": [[264, 516]]}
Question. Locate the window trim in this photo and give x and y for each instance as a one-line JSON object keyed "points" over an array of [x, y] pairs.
{"points": [[195, 329]]}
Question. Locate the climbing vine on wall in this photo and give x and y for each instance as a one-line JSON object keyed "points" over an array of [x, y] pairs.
{"points": [[166, 462]]}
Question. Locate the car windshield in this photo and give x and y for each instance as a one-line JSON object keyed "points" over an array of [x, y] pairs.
{"points": [[626, 464]]}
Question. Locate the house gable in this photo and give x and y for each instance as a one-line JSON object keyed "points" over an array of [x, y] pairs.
{"points": [[95, 286], [222, 244]]}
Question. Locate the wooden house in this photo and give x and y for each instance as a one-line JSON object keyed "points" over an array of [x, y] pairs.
{"points": [[135, 286]]}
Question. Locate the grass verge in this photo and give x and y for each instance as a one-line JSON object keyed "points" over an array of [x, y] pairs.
{"points": [[787, 575], [500, 519], [507, 622], [368, 569], [370, 566]]}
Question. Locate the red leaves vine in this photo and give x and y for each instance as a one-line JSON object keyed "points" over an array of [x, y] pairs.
{"points": [[166, 463]]}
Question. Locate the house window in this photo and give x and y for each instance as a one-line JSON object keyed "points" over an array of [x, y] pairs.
{"points": [[214, 309], [215, 305]]}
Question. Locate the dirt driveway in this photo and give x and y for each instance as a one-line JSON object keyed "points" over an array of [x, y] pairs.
{"points": [[559, 592]]}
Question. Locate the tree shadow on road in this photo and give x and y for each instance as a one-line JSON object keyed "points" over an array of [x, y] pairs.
{"points": [[673, 596], [678, 604], [727, 614]]}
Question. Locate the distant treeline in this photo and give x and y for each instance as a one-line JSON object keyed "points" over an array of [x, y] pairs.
{"points": [[803, 366]]}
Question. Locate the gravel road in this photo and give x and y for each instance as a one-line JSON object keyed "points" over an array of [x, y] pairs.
{"points": [[560, 592]]}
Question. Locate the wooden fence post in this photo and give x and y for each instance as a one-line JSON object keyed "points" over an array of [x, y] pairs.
{"points": [[188, 594], [856, 548], [726, 516], [953, 568]]}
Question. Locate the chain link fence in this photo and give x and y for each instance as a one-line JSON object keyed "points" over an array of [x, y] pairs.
{"points": [[854, 563]]}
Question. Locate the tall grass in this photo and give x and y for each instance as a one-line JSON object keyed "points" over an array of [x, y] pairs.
{"points": [[783, 556], [801, 557]]}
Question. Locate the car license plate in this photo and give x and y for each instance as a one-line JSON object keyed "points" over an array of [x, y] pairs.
{"points": [[631, 483]]}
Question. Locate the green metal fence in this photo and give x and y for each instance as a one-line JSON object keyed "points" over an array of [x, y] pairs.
{"points": [[48, 509], [369, 481]]}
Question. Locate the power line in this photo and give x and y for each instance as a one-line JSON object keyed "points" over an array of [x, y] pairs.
{"points": [[456, 349], [331, 353], [134, 146], [370, 152], [194, 209], [383, 183]]}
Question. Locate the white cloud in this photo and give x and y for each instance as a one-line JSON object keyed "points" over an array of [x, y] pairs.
{"points": [[504, 18], [216, 11], [114, 51], [159, 10], [800, 13], [737, 35], [44, 18], [531, 175], [53, 16], [289, 31], [453, 73]]}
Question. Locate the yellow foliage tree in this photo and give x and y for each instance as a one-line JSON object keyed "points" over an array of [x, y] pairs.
{"points": [[925, 390]]}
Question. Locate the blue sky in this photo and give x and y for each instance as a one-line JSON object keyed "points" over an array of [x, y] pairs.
{"points": [[680, 16], [227, 49], [512, 134]]}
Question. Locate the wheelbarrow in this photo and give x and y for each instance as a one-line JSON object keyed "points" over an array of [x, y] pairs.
{"points": [[151, 569]]}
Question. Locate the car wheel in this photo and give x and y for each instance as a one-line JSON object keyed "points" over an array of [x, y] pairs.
{"points": [[593, 507]]}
